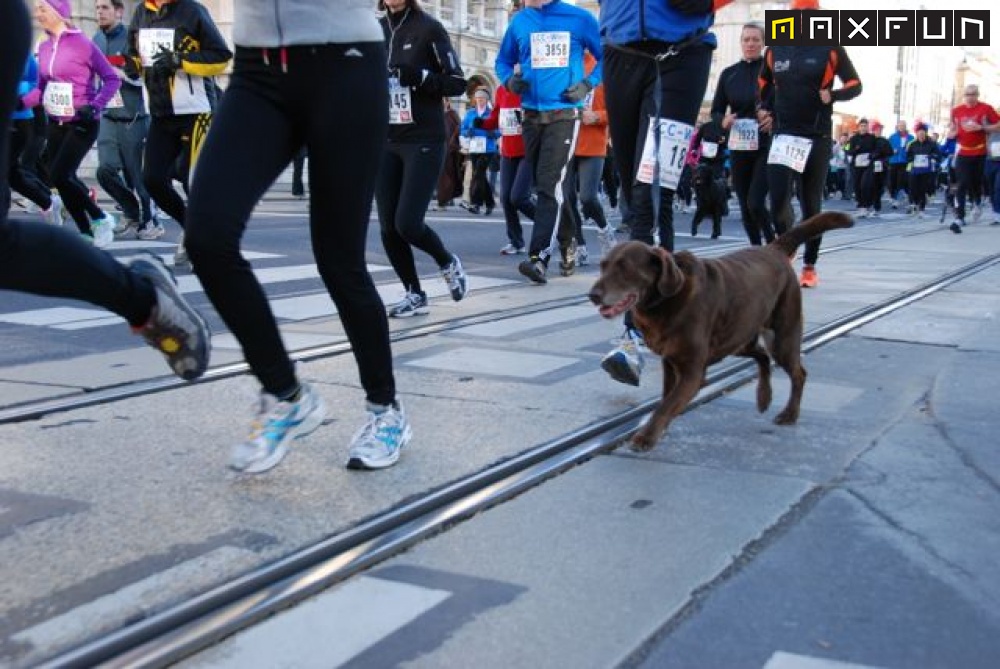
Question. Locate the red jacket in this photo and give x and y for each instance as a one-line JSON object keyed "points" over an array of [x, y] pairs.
{"points": [[508, 106]]}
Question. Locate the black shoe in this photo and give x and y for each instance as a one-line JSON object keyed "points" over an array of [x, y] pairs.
{"points": [[489, 210], [534, 269], [956, 228]]}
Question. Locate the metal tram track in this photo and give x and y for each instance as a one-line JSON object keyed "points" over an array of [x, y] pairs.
{"points": [[37, 409], [195, 624]]}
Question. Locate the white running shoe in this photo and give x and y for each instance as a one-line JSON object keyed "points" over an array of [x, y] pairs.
{"points": [[582, 256], [150, 230], [624, 363], [276, 424], [379, 441], [180, 255], [103, 230], [454, 275], [607, 240], [53, 214]]}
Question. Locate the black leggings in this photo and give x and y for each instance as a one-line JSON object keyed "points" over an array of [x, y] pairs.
{"points": [[779, 182], [43, 259], [920, 186], [629, 83], [303, 107], [969, 174], [172, 147], [23, 178], [750, 183], [406, 181], [67, 147]]}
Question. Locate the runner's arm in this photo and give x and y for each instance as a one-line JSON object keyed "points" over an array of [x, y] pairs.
{"points": [[450, 80], [211, 56], [848, 75]]}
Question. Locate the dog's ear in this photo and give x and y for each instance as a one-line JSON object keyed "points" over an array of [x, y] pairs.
{"points": [[671, 279]]}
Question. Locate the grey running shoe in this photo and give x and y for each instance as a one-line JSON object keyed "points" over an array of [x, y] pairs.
{"points": [[150, 230], [534, 269], [413, 304], [454, 276], [379, 441], [582, 256], [607, 239], [567, 263], [624, 363], [174, 327], [181, 254], [276, 424], [511, 250]]}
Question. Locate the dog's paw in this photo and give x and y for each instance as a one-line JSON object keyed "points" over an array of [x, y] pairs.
{"points": [[786, 417], [642, 442]]}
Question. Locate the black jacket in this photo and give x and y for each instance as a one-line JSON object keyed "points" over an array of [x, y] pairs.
{"points": [[202, 49], [791, 79], [414, 39]]}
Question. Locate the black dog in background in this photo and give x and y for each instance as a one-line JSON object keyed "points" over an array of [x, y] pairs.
{"points": [[710, 189]]}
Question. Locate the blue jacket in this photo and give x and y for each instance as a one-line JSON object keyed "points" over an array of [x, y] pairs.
{"points": [[899, 145], [469, 130], [628, 21], [546, 85], [29, 80]]}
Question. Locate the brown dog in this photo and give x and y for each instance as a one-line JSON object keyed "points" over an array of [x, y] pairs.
{"points": [[695, 312]]}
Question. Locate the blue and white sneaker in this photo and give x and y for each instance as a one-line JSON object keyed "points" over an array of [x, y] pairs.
{"points": [[379, 441], [624, 363], [275, 426], [454, 276]]}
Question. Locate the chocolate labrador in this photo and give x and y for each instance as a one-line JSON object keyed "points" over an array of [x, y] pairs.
{"points": [[694, 312]]}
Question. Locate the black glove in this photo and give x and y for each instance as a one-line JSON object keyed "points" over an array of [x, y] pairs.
{"points": [[578, 91], [86, 113], [131, 68], [167, 61], [517, 85], [477, 122], [692, 6], [409, 75]]}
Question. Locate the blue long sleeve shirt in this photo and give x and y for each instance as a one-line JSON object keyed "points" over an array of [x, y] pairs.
{"points": [[29, 80], [548, 43]]}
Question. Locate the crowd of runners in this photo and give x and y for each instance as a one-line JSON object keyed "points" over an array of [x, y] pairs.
{"points": [[589, 111]]}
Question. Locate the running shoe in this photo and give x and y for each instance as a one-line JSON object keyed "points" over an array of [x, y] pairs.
{"points": [[624, 363], [276, 424], [413, 304], [126, 227], [534, 269], [454, 276], [809, 278], [567, 262], [956, 226], [977, 212], [606, 239], [174, 328], [582, 255], [379, 441], [511, 250], [181, 254], [150, 230], [103, 230], [53, 214]]}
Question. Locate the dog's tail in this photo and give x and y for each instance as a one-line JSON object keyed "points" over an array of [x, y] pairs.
{"points": [[817, 225]]}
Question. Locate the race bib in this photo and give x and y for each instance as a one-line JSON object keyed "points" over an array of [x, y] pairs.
{"points": [[995, 149], [921, 162], [743, 136], [877, 167], [549, 50], [152, 41], [790, 151], [862, 160], [400, 105], [588, 102], [509, 122], [58, 99], [116, 101], [709, 149], [675, 137], [477, 145]]}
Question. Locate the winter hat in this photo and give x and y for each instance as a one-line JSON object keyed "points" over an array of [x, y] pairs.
{"points": [[919, 126], [61, 7], [804, 4]]}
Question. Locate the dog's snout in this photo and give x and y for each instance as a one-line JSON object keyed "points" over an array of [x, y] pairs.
{"points": [[596, 295]]}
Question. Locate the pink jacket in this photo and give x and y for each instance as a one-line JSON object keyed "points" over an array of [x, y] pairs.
{"points": [[71, 57]]}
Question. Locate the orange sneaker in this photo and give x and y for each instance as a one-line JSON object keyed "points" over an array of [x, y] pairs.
{"points": [[809, 279]]}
